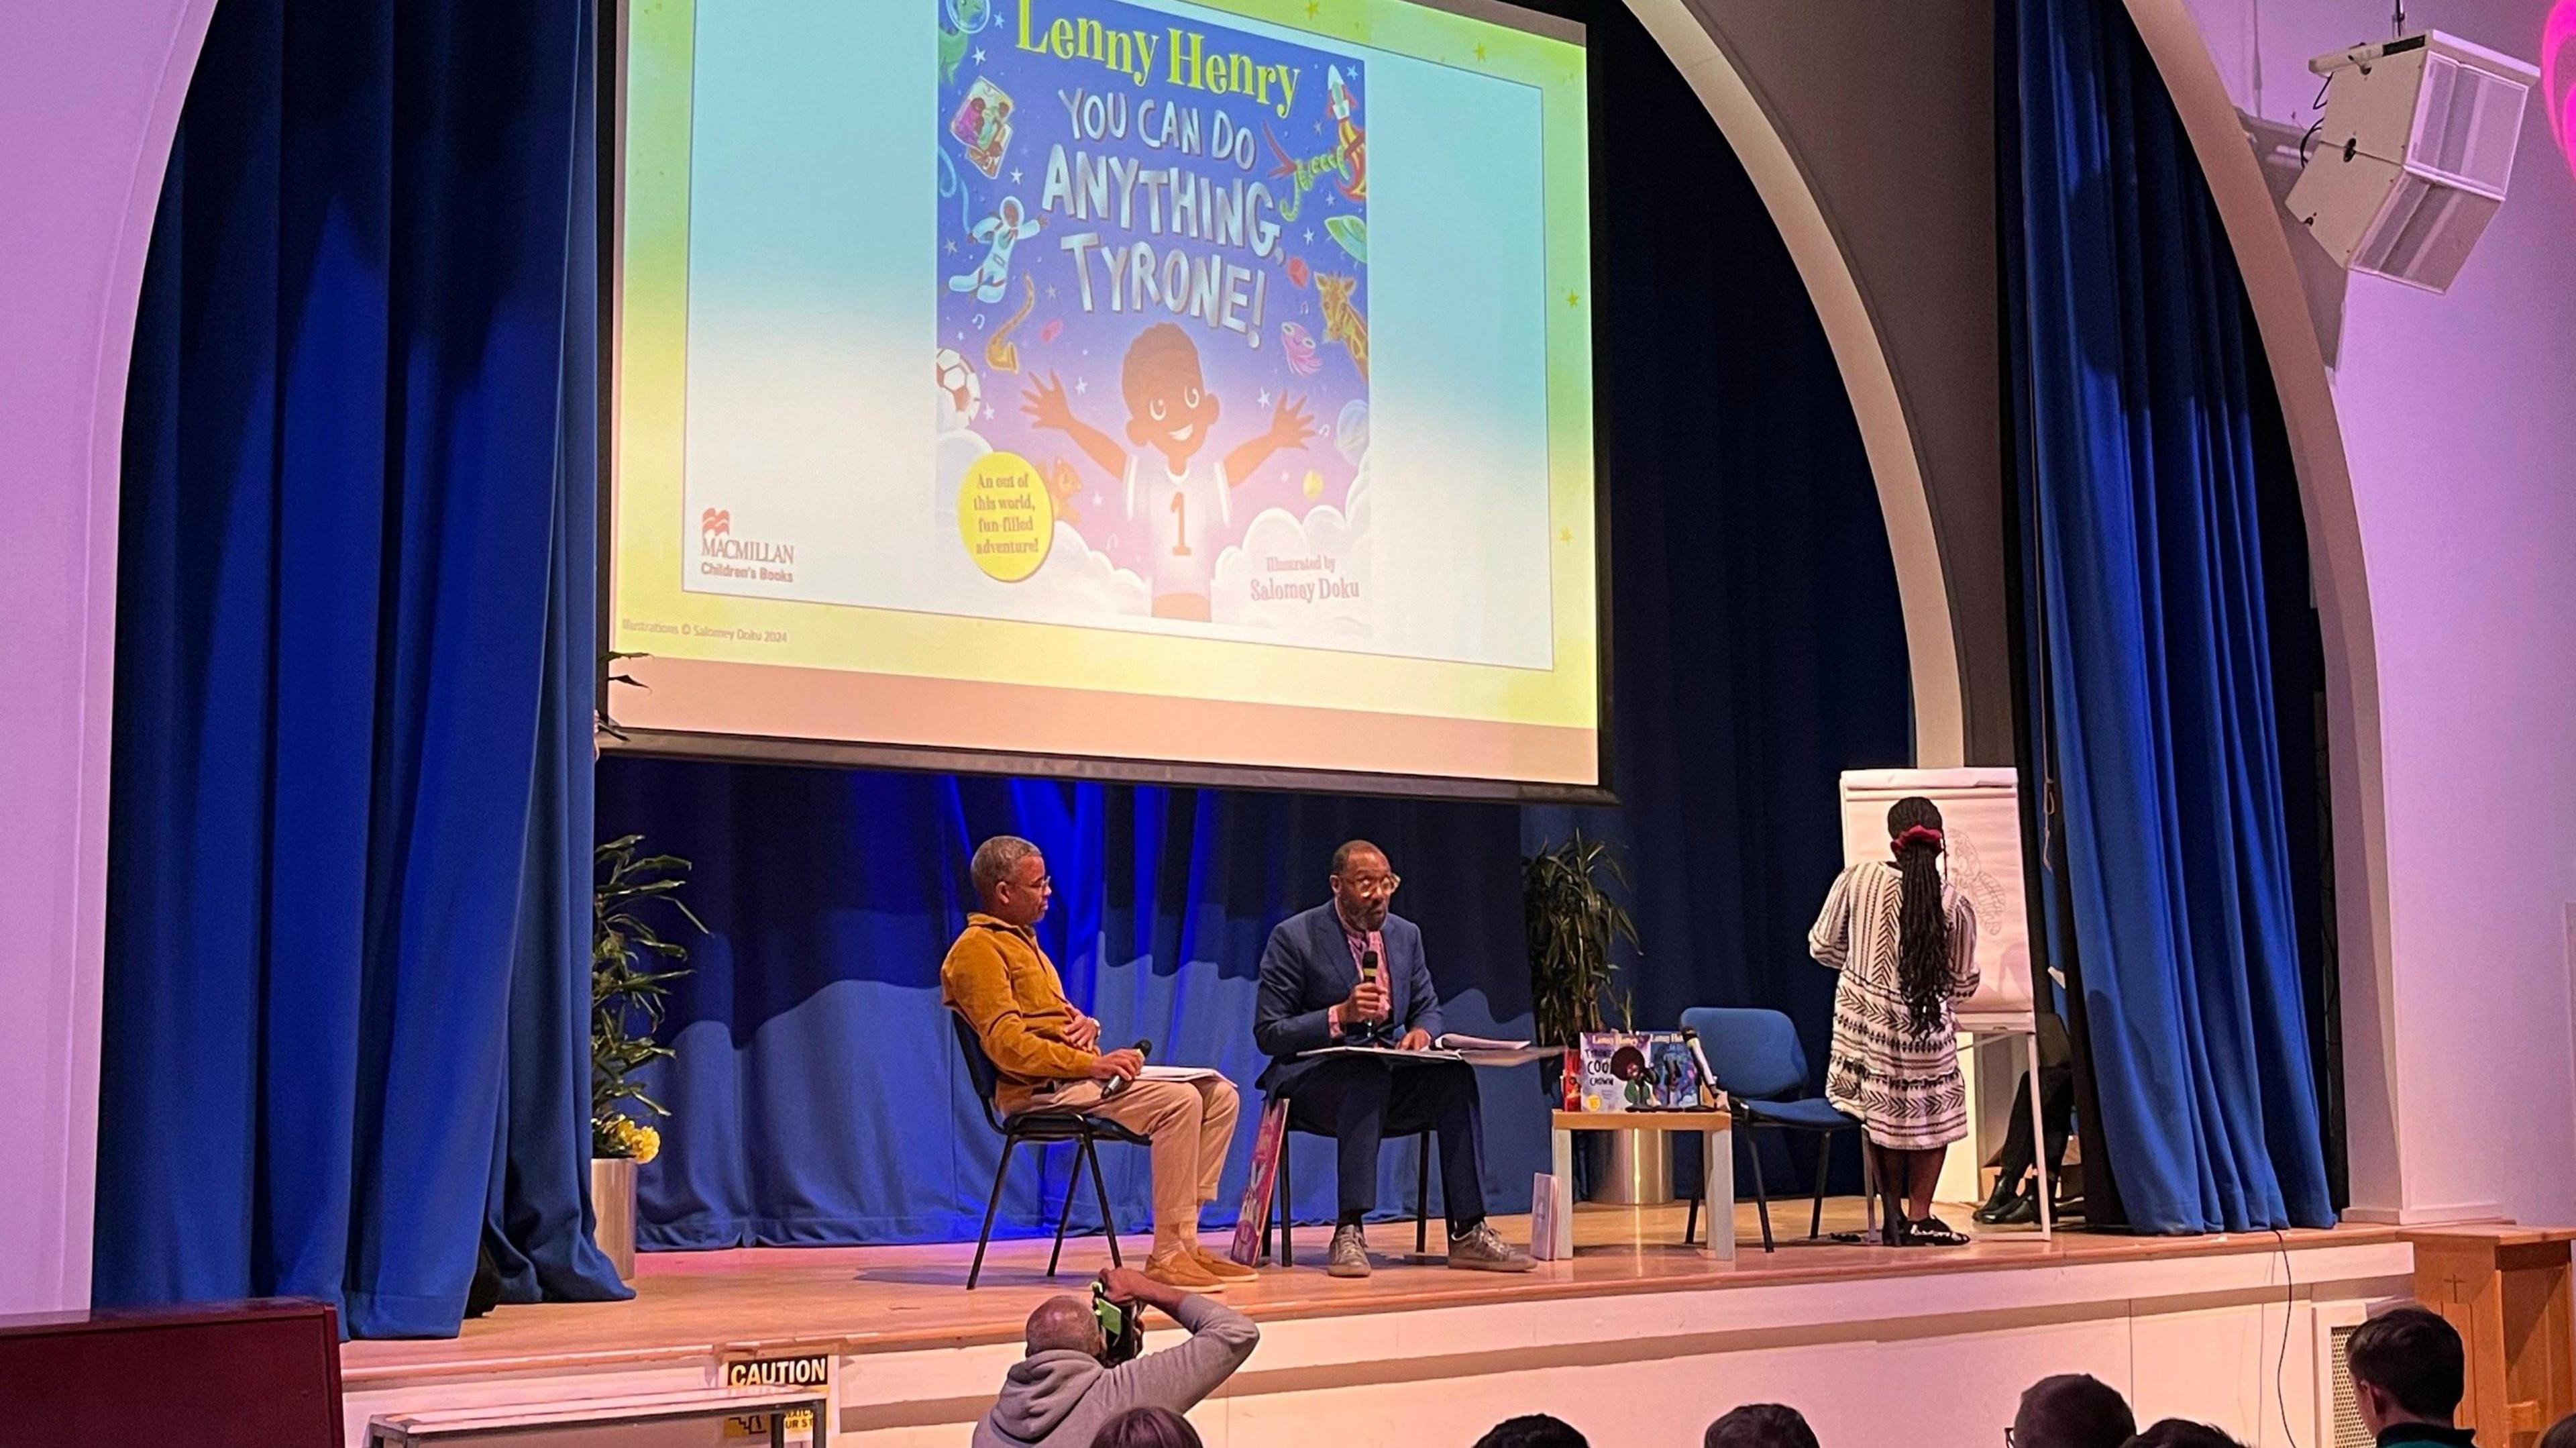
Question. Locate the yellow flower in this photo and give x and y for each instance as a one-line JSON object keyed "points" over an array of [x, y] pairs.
{"points": [[624, 1138]]}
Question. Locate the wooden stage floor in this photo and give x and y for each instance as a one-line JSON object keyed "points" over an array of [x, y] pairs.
{"points": [[882, 1299]]}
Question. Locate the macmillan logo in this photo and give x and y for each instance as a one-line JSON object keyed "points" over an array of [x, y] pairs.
{"points": [[722, 555]]}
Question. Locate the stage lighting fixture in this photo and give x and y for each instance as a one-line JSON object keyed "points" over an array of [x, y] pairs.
{"points": [[2410, 160]]}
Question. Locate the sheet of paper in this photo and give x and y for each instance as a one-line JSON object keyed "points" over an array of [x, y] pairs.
{"points": [[1390, 1052], [1474, 1056], [1177, 1073], [1508, 1055], [1454, 1041]]}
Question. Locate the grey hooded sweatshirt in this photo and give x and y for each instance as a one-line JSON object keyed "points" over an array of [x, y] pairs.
{"points": [[1060, 1398]]}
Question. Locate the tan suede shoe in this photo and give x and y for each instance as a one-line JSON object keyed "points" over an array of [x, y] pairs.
{"points": [[1178, 1268], [1223, 1268]]}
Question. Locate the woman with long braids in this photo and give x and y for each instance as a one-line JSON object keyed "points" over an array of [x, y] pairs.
{"points": [[1906, 944]]}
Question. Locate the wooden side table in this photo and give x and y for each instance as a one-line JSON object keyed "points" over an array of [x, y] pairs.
{"points": [[2506, 1289], [1716, 1133]]}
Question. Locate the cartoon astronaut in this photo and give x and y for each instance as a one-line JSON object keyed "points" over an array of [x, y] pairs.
{"points": [[1005, 229]]}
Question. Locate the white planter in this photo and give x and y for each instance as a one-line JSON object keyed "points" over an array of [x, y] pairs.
{"points": [[612, 1205]]}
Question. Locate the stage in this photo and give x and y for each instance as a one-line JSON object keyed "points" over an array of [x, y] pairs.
{"points": [[1637, 1339]]}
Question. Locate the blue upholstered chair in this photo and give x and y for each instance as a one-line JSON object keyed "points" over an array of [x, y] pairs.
{"points": [[1763, 1069]]}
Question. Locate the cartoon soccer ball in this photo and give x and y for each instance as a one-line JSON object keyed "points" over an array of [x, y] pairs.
{"points": [[961, 392]]}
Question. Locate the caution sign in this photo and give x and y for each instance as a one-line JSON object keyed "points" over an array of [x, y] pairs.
{"points": [[805, 1370]]}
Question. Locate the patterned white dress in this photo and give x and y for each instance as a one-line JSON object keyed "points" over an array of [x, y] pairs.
{"points": [[1903, 1085]]}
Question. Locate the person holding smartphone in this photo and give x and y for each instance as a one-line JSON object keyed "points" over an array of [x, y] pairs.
{"points": [[1065, 1390]]}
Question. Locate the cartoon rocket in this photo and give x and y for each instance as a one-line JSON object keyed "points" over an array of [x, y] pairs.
{"points": [[1351, 140]]}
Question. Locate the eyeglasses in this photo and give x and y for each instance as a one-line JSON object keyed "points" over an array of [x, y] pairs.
{"points": [[1379, 886]]}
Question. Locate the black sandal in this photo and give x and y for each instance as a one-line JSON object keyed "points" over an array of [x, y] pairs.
{"points": [[1932, 1232]]}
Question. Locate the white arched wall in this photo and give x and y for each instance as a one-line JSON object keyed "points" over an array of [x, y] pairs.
{"points": [[2341, 580], [2437, 458], [1804, 164], [89, 100]]}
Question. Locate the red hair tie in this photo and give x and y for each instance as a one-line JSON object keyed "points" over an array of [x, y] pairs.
{"points": [[1917, 835]]}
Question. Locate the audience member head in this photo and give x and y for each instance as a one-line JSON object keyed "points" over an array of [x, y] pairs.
{"points": [[1760, 1425], [1363, 884], [2561, 1434], [1011, 880], [1064, 1324], [1147, 1428], [1532, 1430], [2406, 1368], [2073, 1410], [2183, 1433]]}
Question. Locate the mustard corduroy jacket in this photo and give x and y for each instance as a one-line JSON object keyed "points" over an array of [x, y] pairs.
{"points": [[1006, 988]]}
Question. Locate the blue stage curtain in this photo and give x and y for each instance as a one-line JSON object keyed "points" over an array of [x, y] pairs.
{"points": [[1758, 650], [2143, 568], [347, 965]]}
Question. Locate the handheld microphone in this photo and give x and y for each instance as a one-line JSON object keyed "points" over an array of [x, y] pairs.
{"points": [[1369, 972], [1143, 1047]]}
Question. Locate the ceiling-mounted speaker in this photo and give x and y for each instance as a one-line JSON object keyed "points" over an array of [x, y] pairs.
{"points": [[2412, 157]]}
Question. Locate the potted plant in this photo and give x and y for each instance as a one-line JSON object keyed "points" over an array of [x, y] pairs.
{"points": [[1574, 927], [631, 967]]}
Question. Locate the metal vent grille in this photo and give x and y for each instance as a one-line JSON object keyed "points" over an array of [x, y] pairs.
{"points": [[2467, 124], [2347, 1430], [2424, 232]]}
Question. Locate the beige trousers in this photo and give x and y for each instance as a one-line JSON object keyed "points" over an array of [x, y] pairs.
{"points": [[1191, 1124]]}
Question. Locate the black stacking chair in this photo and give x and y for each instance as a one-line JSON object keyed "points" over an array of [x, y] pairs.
{"points": [[1421, 1202], [1044, 1127]]}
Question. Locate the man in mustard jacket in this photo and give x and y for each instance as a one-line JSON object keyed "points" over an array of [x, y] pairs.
{"points": [[1049, 1057]]}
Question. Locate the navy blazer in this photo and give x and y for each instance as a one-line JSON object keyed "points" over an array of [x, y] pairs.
{"points": [[1307, 969]]}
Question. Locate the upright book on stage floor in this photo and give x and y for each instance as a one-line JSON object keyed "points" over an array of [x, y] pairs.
{"points": [[1254, 1214]]}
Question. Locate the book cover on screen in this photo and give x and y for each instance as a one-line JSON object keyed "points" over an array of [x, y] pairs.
{"points": [[1152, 350]]}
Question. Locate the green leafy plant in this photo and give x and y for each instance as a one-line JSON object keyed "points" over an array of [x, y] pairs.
{"points": [[632, 965], [1574, 926]]}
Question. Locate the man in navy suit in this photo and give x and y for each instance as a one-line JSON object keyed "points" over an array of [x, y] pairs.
{"points": [[1350, 973]]}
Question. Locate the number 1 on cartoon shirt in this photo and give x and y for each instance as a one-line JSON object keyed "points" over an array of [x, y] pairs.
{"points": [[1169, 412]]}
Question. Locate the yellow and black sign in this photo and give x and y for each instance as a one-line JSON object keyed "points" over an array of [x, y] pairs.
{"points": [[755, 1426], [806, 1370]]}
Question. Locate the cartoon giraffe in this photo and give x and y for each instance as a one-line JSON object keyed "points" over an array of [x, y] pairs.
{"points": [[1342, 321]]}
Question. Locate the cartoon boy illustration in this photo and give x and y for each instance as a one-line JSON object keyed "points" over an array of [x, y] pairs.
{"points": [[1169, 414]]}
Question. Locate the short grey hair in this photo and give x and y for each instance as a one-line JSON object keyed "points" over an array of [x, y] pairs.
{"points": [[996, 858]]}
